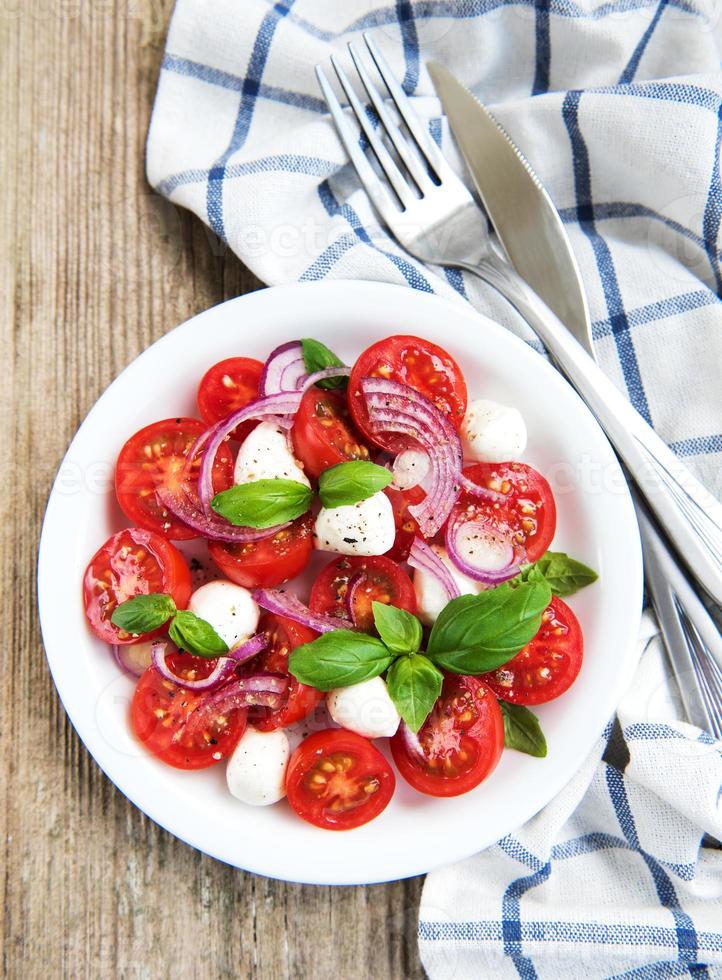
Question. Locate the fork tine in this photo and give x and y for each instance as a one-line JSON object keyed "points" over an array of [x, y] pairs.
{"points": [[400, 143], [392, 172], [348, 136], [407, 112]]}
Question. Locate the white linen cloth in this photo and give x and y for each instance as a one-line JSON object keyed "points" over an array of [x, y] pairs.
{"points": [[618, 105]]}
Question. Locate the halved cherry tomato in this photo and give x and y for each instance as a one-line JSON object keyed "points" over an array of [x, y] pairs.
{"points": [[156, 456], [323, 434], [461, 740], [160, 712], [270, 561], [338, 780], [227, 387], [132, 562], [379, 578], [528, 511], [414, 362], [406, 527], [299, 699], [548, 665]]}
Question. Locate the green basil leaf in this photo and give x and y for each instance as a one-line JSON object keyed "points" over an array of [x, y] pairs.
{"points": [[522, 730], [263, 503], [339, 659], [400, 631], [414, 684], [193, 634], [476, 633], [317, 357], [348, 483], [143, 613], [565, 575]]}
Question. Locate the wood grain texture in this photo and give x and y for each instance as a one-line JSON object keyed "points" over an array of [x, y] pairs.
{"points": [[94, 268]]}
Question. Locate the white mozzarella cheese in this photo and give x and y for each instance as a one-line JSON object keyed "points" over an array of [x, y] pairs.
{"points": [[264, 455], [256, 771], [229, 609], [365, 708], [431, 596], [364, 528], [492, 433]]}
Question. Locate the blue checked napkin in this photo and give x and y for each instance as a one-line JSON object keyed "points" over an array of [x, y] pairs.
{"points": [[618, 105]]}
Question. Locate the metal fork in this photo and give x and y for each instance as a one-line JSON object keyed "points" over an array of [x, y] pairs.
{"points": [[434, 217]]}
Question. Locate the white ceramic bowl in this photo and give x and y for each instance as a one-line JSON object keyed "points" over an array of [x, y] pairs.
{"points": [[596, 524]]}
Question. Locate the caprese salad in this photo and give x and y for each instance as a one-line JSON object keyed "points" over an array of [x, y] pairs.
{"points": [[436, 620]]}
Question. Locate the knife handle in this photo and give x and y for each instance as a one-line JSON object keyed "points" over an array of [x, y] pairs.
{"points": [[690, 514]]}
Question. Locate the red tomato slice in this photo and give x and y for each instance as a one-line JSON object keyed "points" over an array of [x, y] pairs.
{"points": [[227, 387], [528, 510], [546, 667], [299, 699], [132, 562], [269, 562], [156, 456], [338, 780], [414, 362], [379, 578], [461, 740], [406, 527], [160, 712], [323, 434]]}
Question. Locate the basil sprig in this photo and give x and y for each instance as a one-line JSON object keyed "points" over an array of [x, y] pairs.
{"points": [[263, 503], [339, 659], [565, 575], [348, 483], [414, 684], [317, 357], [399, 629], [146, 613], [522, 730], [477, 633]]}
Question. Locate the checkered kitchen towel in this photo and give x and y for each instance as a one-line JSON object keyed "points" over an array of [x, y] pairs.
{"points": [[618, 105]]}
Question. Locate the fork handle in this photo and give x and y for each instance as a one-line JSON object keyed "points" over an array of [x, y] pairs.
{"points": [[691, 516]]}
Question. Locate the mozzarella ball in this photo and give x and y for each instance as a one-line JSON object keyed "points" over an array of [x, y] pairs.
{"points": [[364, 708], [431, 596], [256, 771], [410, 468], [492, 432], [229, 609], [264, 455], [364, 528]]}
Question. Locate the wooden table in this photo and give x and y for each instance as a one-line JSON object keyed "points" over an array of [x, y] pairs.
{"points": [[95, 267]]}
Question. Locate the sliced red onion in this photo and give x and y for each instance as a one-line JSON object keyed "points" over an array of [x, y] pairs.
{"points": [[395, 407], [265, 690], [352, 588], [132, 658], [423, 557], [474, 490], [182, 505], [340, 371], [284, 403], [463, 530], [284, 370], [286, 604], [249, 648], [410, 469], [221, 672]]}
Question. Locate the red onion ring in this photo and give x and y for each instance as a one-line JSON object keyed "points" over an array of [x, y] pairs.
{"points": [[286, 604], [123, 654], [352, 587], [221, 672], [261, 689], [474, 490], [395, 407], [284, 370], [183, 506], [423, 557], [340, 371], [284, 403], [249, 648], [462, 523]]}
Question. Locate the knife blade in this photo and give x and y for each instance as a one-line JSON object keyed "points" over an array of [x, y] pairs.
{"points": [[520, 209]]}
